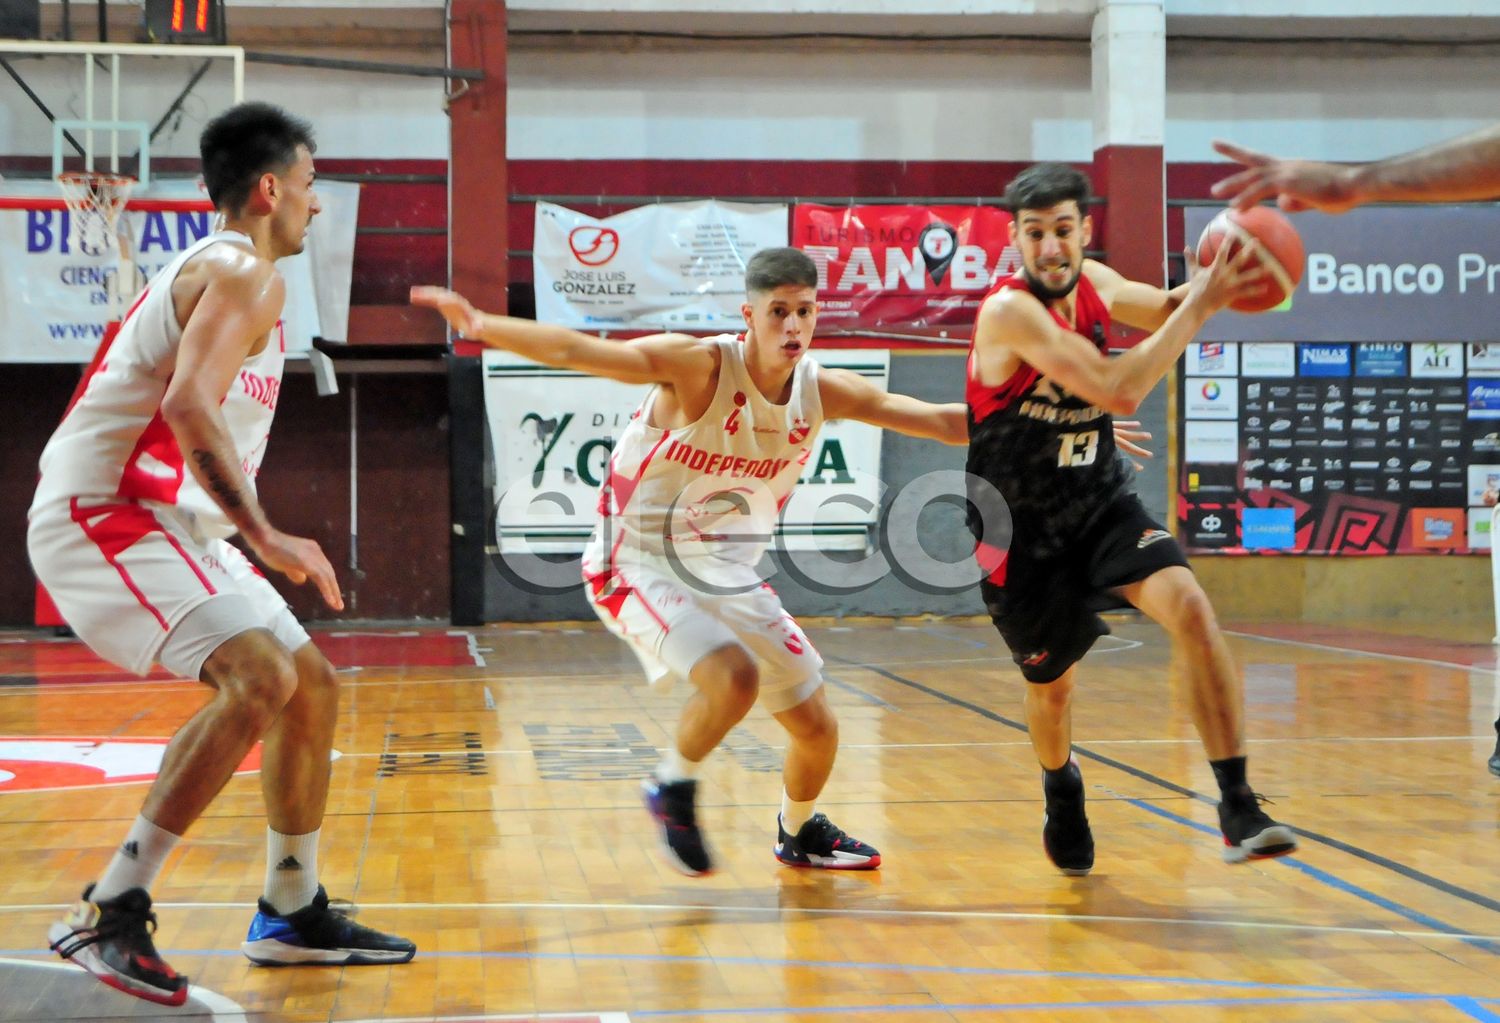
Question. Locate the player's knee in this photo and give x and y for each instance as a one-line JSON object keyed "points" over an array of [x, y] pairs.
{"points": [[259, 681], [730, 676], [1055, 691], [1195, 616], [318, 679]]}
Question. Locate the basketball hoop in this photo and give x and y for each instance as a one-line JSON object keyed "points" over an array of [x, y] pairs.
{"points": [[95, 201]]}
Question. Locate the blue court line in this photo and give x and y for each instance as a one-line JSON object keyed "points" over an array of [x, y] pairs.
{"points": [[1333, 992], [1049, 1007], [1317, 873], [1473, 1007], [1411, 873]]}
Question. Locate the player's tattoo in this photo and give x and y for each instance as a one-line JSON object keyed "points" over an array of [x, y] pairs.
{"points": [[218, 483]]}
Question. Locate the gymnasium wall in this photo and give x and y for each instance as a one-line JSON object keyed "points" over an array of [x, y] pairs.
{"points": [[637, 118]]}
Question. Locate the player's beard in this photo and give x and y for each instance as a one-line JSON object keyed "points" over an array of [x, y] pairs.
{"points": [[1048, 294]]}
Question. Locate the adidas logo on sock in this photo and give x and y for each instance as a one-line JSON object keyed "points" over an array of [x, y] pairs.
{"points": [[290, 863], [132, 849]]}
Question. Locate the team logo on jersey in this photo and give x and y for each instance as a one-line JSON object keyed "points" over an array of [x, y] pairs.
{"points": [[31, 764], [799, 431], [1150, 537], [732, 424]]}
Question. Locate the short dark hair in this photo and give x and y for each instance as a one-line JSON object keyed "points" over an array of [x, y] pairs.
{"points": [[1044, 185], [245, 142], [770, 269]]}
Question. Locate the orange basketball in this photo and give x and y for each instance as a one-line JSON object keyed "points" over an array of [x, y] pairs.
{"points": [[1279, 242]]}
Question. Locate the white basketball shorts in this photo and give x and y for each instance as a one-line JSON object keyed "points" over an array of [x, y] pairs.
{"points": [[136, 584], [671, 625]]}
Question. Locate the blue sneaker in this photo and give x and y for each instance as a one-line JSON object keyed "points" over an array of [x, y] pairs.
{"points": [[318, 935]]}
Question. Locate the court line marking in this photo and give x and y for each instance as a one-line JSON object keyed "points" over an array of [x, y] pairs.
{"points": [[214, 1002], [1051, 1007], [1488, 668], [1452, 934], [1316, 873], [1410, 873]]}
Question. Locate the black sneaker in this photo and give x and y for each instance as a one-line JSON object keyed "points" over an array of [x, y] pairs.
{"points": [[1066, 836], [822, 843], [1248, 833], [672, 804], [1495, 762], [111, 939], [319, 935]]}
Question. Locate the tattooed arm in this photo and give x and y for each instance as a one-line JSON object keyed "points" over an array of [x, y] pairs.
{"points": [[229, 300]]}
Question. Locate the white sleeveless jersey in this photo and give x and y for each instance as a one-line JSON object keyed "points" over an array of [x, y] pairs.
{"points": [[715, 488], [113, 442]]}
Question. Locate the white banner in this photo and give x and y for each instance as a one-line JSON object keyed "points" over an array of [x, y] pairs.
{"points": [[672, 266], [55, 296], [552, 431]]}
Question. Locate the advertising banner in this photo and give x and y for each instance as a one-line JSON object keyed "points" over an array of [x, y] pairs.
{"points": [[56, 298], [670, 266], [1372, 448], [904, 267], [552, 431], [1424, 273]]}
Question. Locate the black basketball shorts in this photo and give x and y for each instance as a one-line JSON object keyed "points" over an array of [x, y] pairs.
{"points": [[1047, 609]]}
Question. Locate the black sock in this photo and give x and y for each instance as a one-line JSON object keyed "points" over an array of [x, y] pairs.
{"points": [[1230, 773], [1066, 780]]}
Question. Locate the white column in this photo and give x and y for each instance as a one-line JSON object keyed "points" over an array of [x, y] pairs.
{"points": [[1130, 73]]}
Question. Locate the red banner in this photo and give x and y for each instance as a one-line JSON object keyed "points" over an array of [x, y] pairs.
{"points": [[904, 268]]}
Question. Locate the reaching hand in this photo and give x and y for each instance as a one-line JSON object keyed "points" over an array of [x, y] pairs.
{"points": [[1228, 277], [1295, 184], [299, 559], [461, 316], [1127, 432]]}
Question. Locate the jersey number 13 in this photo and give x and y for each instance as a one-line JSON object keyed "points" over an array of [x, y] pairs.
{"points": [[1078, 448]]}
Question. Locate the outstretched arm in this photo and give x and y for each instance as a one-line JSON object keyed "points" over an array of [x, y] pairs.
{"points": [[1454, 171], [848, 395], [660, 359]]}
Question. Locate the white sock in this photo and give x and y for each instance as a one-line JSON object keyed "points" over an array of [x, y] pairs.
{"points": [[794, 814], [137, 861], [676, 767], [291, 870]]}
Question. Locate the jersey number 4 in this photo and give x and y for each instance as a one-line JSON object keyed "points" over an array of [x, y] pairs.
{"points": [[1078, 448]]}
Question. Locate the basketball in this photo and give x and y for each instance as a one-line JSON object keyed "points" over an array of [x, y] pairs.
{"points": [[1279, 241]]}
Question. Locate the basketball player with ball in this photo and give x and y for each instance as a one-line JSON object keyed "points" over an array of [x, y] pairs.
{"points": [[1041, 392]]}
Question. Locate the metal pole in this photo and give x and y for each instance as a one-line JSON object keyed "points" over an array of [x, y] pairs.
{"points": [[354, 473]]}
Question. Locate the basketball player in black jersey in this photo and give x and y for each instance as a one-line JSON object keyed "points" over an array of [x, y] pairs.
{"points": [[1040, 393]]}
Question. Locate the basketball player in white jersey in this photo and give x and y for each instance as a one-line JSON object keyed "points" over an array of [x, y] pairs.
{"points": [[694, 488], [151, 469]]}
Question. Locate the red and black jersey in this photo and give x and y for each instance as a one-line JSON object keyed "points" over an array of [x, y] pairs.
{"points": [[1049, 454]]}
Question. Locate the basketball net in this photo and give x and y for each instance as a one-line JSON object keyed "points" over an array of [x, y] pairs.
{"points": [[96, 201]]}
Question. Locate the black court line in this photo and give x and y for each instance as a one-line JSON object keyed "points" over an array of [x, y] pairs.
{"points": [[1410, 873]]}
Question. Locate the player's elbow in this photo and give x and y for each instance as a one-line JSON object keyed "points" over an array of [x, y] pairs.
{"points": [[1120, 403]]}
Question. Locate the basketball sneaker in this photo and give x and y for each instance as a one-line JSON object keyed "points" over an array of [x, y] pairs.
{"points": [[317, 934], [1495, 761], [111, 939], [822, 843], [1248, 833], [672, 803], [1066, 836]]}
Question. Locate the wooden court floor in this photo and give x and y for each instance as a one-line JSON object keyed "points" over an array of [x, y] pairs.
{"points": [[485, 803]]}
